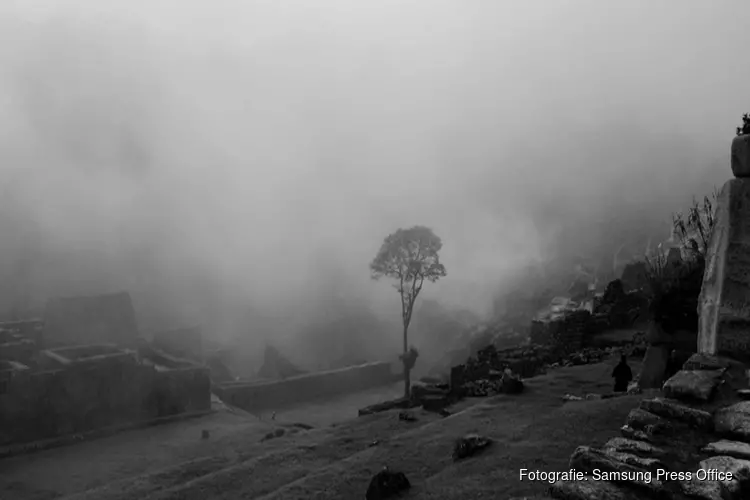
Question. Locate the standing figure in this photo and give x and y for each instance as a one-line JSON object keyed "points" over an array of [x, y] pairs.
{"points": [[622, 375]]}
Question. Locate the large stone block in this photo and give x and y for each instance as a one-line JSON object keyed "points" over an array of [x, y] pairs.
{"points": [[741, 156], [654, 367], [724, 305]]}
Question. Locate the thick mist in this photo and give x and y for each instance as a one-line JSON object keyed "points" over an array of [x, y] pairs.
{"points": [[237, 164]]}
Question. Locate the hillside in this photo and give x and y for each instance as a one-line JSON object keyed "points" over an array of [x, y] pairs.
{"points": [[536, 429]]}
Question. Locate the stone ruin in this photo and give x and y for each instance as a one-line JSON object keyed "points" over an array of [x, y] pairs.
{"points": [[59, 378], [276, 366], [701, 420]]}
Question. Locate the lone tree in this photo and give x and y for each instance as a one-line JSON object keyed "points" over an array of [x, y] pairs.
{"points": [[410, 256]]}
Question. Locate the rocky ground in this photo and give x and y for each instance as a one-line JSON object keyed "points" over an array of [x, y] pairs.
{"points": [[535, 429], [674, 445]]}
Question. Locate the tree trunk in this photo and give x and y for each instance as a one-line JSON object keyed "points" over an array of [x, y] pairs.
{"points": [[407, 380]]}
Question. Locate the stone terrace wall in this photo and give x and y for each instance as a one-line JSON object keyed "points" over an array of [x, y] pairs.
{"points": [[70, 400], [92, 393], [567, 334], [276, 394]]}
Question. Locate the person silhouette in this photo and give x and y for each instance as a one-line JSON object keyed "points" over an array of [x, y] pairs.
{"points": [[622, 374]]}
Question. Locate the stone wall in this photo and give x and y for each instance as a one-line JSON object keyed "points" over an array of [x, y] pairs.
{"points": [[567, 334], [276, 394], [90, 389], [70, 400]]}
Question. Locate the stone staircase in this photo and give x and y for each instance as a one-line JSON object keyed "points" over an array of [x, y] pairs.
{"points": [[692, 443]]}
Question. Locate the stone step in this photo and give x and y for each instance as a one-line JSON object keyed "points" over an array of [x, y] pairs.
{"points": [[698, 419], [736, 449], [601, 465], [648, 422], [734, 421], [706, 362], [693, 385], [635, 447], [634, 434], [589, 489]]}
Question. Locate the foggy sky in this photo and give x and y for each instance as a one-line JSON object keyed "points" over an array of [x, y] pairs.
{"points": [[216, 156]]}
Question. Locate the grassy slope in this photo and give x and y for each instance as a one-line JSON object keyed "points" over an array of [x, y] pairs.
{"points": [[535, 430]]}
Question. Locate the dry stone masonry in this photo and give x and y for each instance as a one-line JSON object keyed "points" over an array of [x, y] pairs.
{"points": [[724, 305]]}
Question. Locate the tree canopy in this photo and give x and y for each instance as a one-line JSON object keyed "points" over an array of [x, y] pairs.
{"points": [[411, 257]]}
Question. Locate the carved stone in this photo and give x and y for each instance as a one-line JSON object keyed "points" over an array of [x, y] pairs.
{"points": [[724, 305]]}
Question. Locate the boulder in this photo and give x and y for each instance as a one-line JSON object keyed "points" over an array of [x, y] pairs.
{"points": [[469, 445], [705, 362], [712, 488], [740, 156], [734, 421], [654, 368], [698, 419], [695, 385], [387, 484], [639, 419], [728, 448], [587, 459]]}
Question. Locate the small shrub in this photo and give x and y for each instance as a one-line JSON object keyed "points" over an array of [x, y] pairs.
{"points": [[745, 127], [694, 229]]}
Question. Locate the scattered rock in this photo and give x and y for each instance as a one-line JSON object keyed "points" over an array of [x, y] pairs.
{"points": [[698, 419], [571, 397], [736, 449], [372, 443], [697, 385], [590, 397], [274, 434], [406, 416], [734, 421], [469, 445], [387, 484]]}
